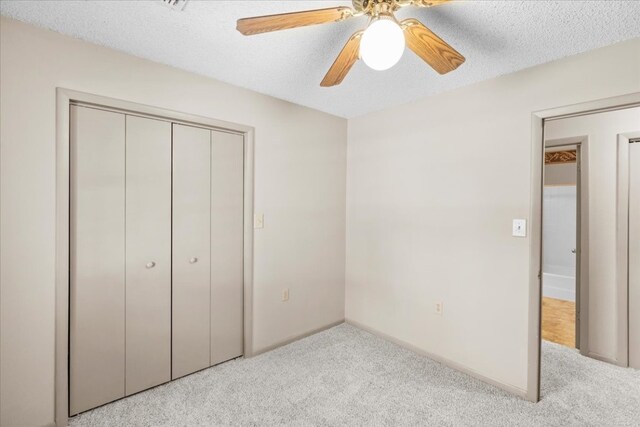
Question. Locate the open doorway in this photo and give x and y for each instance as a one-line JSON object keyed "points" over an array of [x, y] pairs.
{"points": [[603, 134], [560, 230]]}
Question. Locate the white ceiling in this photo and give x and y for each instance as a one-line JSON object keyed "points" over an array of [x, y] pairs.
{"points": [[497, 37]]}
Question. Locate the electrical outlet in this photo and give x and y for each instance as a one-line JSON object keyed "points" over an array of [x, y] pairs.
{"points": [[258, 221], [285, 294], [438, 308]]}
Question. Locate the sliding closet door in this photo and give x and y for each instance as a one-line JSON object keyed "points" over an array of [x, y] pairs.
{"points": [[191, 251], [97, 261], [148, 253], [227, 193], [634, 255]]}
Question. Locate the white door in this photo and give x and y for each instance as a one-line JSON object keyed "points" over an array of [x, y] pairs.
{"points": [[227, 193], [97, 258], [148, 253], [191, 249]]}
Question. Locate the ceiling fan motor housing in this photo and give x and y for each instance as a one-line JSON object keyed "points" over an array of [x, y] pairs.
{"points": [[361, 5], [367, 6], [375, 7]]}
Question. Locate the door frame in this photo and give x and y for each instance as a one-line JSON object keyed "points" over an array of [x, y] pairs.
{"points": [[64, 99], [622, 244], [582, 235], [535, 213]]}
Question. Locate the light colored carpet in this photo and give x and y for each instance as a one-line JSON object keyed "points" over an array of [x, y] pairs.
{"points": [[345, 376]]}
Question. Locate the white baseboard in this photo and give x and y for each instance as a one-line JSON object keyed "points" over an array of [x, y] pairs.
{"points": [[559, 293], [559, 286], [295, 338], [449, 363], [602, 358]]}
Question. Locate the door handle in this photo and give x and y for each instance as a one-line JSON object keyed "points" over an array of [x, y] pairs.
{"points": [[193, 260], [573, 251], [151, 264]]}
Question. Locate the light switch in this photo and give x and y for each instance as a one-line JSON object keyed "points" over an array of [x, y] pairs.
{"points": [[285, 294], [258, 221], [519, 228]]}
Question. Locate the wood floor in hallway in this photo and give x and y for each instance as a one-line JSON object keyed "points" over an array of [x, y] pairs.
{"points": [[558, 321]]}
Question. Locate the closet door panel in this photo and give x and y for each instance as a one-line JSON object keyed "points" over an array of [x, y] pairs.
{"points": [[148, 253], [97, 260], [227, 204], [634, 255], [191, 249]]}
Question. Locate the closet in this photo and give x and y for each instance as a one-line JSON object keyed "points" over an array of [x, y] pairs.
{"points": [[156, 252]]}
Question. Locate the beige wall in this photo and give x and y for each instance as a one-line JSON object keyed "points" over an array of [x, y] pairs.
{"points": [[602, 131], [430, 200], [432, 187], [300, 167]]}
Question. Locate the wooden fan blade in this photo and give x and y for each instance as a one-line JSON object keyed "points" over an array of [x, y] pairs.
{"points": [[348, 56], [431, 48], [283, 21]]}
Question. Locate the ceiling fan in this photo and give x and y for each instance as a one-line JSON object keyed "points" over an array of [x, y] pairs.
{"points": [[380, 45]]}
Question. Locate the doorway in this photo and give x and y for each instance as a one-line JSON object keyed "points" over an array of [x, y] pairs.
{"points": [[603, 287], [602, 310], [561, 252], [628, 249]]}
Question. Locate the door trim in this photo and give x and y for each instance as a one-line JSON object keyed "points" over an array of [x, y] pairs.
{"points": [[535, 213], [66, 97], [582, 233], [622, 245]]}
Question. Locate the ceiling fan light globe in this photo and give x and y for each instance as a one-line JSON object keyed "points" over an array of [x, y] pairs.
{"points": [[382, 44]]}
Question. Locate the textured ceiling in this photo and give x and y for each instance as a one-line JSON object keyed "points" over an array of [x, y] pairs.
{"points": [[497, 37]]}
